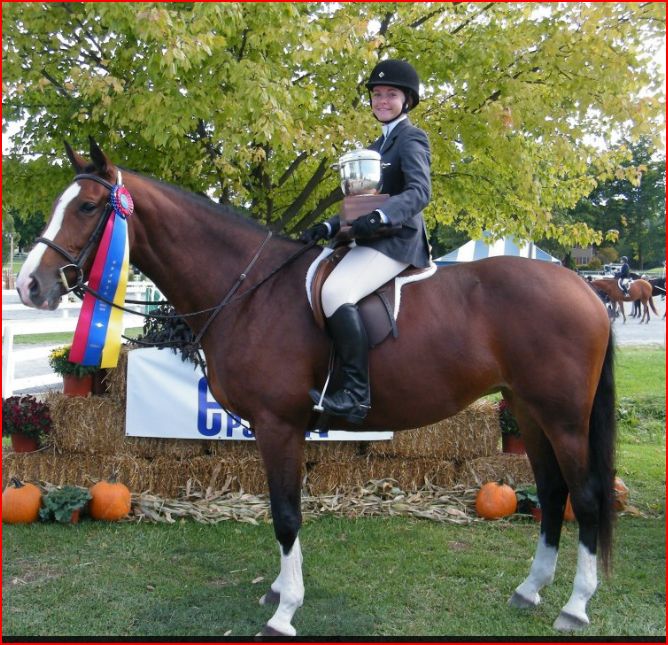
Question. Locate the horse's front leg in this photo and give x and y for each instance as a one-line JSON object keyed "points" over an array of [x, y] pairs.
{"points": [[282, 450]]}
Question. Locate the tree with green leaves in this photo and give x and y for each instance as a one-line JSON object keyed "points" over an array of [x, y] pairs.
{"points": [[251, 103], [632, 208]]}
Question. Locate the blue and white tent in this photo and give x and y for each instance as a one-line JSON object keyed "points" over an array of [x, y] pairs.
{"points": [[479, 249]]}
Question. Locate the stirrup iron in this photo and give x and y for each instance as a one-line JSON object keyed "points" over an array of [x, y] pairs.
{"points": [[318, 407]]}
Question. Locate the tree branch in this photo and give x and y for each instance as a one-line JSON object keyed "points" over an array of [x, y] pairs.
{"points": [[59, 88], [291, 169], [300, 200], [457, 29], [336, 195]]}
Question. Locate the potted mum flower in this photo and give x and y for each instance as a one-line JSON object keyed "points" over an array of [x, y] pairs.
{"points": [[77, 379], [64, 504], [26, 420], [511, 439]]}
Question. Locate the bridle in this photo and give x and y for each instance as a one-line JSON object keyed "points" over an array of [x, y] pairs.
{"points": [[79, 262], [231, 296], [78, 265]]}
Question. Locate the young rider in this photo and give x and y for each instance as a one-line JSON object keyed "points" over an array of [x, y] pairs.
{"points": [[623, 275], [394, 88]]}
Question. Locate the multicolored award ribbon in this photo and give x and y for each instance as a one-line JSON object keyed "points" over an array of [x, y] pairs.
{"points": [[97, 338]]}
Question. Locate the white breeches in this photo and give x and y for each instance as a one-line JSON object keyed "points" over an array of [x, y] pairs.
{"points": [[360, 273]]}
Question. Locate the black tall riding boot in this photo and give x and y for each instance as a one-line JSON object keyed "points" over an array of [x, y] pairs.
{"points": [[351, 344]]}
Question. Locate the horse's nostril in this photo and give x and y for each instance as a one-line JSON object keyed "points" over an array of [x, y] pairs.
{"points": [[33, 287]]}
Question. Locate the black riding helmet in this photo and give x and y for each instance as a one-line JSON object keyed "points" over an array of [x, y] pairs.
{"points": [[397, 73]]}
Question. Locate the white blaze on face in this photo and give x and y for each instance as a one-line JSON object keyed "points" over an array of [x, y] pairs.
{"points": [[35, 256]]}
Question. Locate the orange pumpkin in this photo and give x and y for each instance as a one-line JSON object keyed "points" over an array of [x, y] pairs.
{"points": [[110, 500], [569, 515], [621, 494], [621, 498], [20, 503], [495, 500]]}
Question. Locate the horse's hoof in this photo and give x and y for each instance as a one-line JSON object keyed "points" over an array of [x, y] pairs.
{"points": [[271, 631], [521, 602], [568, 622], [271, 598]]}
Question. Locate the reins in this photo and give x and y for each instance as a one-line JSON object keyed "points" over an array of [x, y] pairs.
{"points": [[231, 297], [214, 311]]}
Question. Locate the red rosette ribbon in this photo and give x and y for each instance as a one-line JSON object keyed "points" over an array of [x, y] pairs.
{"points": [[121, 201]]}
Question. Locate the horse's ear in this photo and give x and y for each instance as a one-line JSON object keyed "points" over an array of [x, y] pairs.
{"points": [[102, 163], [77, 161]]}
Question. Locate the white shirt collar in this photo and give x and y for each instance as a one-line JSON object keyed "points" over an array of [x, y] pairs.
{"points": [[388, 127]]}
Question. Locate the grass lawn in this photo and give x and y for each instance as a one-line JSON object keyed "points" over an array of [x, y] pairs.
{"points": [[371, 577], [62, 338], [376, 577]]}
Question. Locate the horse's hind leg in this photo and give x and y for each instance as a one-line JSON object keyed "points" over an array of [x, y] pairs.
{"points": [[560, 465], [282, 452], [583, 480], [552, 493], [586, 509]]}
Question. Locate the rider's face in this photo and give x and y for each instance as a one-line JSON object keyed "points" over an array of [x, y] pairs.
{"points": [[387, 102]]}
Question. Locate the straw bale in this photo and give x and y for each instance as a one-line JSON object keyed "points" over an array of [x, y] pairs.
{"points": [[168, 478], [515, 469], [49, 466], [163, 476], [473, 432], [116, 379], [317, 452], [230, 448], [91, 424], [152, 448], [410, 474], [96, 425]]}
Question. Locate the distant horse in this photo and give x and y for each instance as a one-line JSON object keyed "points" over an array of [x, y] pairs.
{"points": [[658, 289], [638, 290], [525, 328]]}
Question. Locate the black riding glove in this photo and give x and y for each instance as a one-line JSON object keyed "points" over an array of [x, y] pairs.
{"points": [[315, 233], [367, 225]]}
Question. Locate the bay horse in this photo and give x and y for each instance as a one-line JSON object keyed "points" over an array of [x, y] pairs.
{"points": [[658, 289], [532, 331], [638, 290]]}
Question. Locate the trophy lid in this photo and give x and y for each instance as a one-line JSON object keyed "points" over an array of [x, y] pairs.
{"points": [[359, 155]]}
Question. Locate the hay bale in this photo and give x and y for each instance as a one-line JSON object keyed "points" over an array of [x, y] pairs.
{"points": [[473, 432], [170, 479], [410, 474], [116, 379], [231, 449], [163, 476], [49, 466], [317, 452], [153, 448], [92, 425], [515, 469], [95, 425]]}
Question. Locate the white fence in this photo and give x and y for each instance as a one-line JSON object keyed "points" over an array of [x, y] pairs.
{"points": [[65, 322]]}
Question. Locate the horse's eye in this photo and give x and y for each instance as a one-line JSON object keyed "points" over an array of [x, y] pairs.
{"points": [[87, 207]]}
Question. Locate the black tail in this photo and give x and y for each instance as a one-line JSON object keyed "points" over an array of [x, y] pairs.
{"points": [[602, 432]]}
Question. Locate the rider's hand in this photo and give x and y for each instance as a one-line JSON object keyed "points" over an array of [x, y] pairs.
{"points": [[315, 233], [367, 225]]}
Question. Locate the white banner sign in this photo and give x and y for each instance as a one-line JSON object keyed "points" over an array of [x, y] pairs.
{"points": [[170, 399]]}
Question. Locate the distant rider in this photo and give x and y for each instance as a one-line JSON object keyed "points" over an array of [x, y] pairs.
{"points": [[623, 279]]}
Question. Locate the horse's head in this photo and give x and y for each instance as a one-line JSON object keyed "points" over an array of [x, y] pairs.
{"points": [[61, 259]]}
